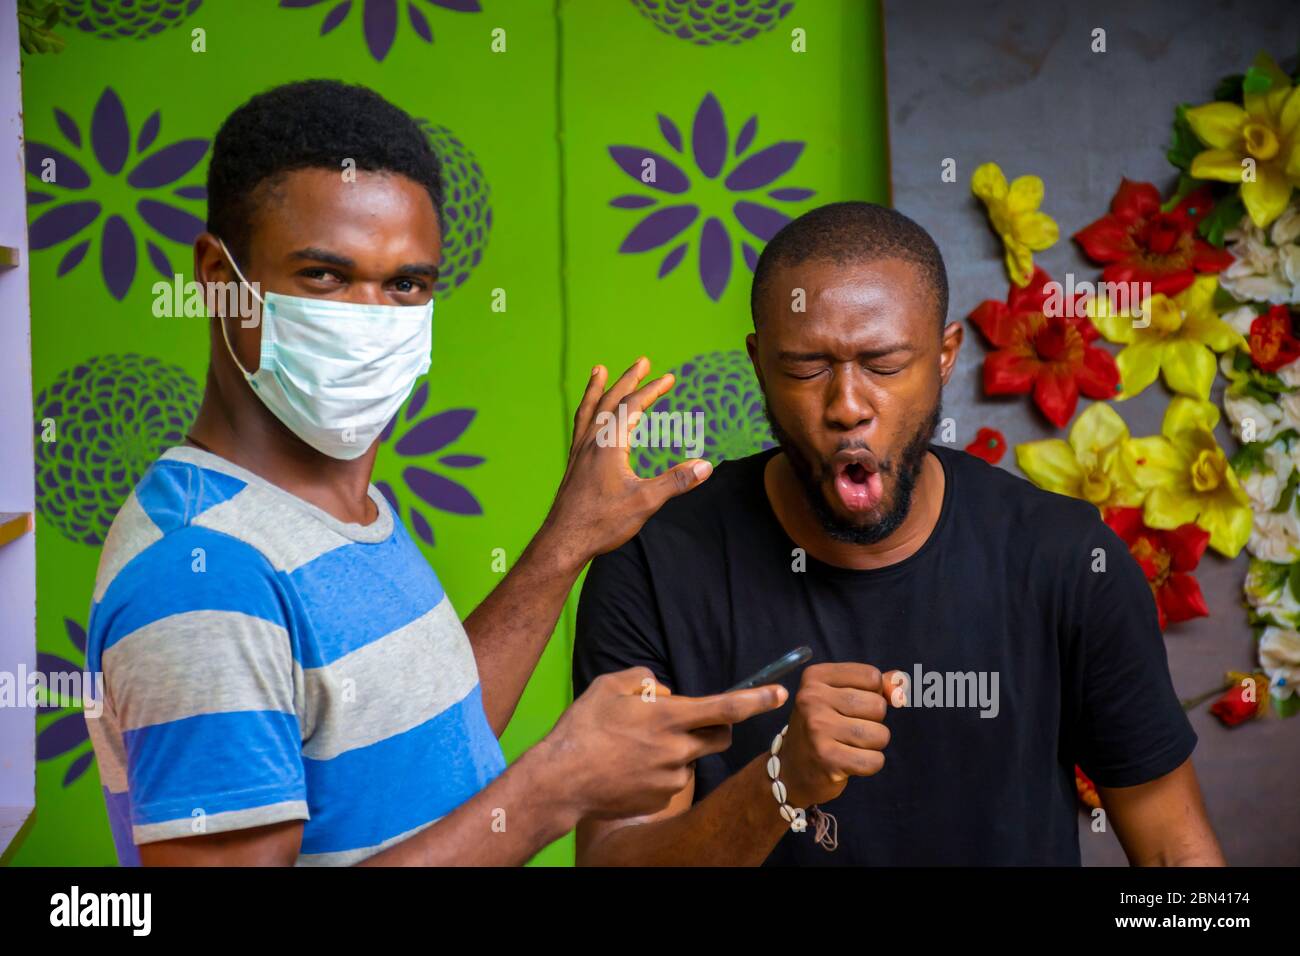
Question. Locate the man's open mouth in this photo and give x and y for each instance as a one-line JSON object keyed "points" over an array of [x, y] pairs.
{"points": [[857, 480]]}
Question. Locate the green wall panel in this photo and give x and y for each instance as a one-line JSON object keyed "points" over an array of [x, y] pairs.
{"points": [[529, 132]]}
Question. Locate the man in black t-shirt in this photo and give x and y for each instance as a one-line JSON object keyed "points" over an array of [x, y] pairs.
{"points": [[973, 637]]}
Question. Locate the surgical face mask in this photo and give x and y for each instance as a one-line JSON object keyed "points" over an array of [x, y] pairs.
{"points": [[335, 373]]}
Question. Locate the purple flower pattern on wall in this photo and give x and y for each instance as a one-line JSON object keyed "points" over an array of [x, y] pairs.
{"points": [[112, 176], [63, 723], [706, 22], [747, 176], [413, 457], [380, 18]]}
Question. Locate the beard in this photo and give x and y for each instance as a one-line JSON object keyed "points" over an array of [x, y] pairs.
{"points": [[905, 468]]}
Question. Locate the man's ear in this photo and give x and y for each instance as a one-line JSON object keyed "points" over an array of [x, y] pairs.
{"points": [[210, 263], [751, 346], [950, 347]]}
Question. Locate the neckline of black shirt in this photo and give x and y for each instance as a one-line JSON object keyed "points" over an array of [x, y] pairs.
{"points": [[759, 490]]}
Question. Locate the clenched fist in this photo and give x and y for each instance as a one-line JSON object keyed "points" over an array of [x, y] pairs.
{"points": [[837, 730]]}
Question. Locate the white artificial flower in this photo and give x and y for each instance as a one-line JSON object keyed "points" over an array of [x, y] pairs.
{"points": [[1275, 537], [1240, 319], [1243, 408], [1268, 592], [1289, 403], [1290, 374], [1286, 227], [1279, 656], [1264, 272], [1263, 488]]}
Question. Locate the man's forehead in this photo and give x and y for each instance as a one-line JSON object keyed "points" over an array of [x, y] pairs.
{"points": [[875, 295]]}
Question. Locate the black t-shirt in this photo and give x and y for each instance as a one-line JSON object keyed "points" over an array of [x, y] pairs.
{"points": [[1013, 581]]}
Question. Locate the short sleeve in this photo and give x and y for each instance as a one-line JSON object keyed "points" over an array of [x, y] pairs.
{"points": [[1131, 727], [618, 624], [199, 679]]}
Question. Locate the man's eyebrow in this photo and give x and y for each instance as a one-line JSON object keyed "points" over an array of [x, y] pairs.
{"points": [[333, 258], [323, 255], [878, 352], [418, 269]]}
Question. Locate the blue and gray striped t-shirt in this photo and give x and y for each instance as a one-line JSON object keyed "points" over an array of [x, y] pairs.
{"points": [[263, 661]]}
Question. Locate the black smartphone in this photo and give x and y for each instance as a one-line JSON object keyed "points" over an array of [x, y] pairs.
{"points": [[775, 670]]}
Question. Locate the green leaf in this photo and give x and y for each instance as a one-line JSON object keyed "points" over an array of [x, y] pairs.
{"points": [[1256, 80], [1248, 459], [1283, 505], [1225, 215], [1224, 301], [1185, 145], [1287, 707], [1229, 88], [1293, 579]]}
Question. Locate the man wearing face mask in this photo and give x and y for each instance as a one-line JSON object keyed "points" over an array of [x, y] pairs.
{"points": [[283, 678]]}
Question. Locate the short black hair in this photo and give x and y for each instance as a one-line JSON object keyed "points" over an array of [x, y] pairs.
{"points": [[844, 232], [306, 125]]}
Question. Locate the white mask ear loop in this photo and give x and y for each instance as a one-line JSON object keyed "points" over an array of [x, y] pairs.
{"points": [[252, 289]]}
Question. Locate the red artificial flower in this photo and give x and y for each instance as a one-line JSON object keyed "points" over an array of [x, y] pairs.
{"points": [[989, 444], [1051, 355], [1086, 789], [1139, 243], [1272, 341], [1233, 708], [1168, 559]]}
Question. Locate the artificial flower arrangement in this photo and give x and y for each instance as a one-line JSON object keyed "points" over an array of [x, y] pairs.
{"points": [[1218, 263]]}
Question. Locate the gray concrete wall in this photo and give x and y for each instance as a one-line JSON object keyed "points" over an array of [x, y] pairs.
{"points": [[1016, 83]]}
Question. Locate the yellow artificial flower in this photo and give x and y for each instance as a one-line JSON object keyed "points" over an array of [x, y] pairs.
{"points": [[1013, 212], [1187, 477], [1090, 466], [1179, 339], [1266, 129]]}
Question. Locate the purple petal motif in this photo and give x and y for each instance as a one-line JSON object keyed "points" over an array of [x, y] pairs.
{"points": [[434, 433], [417, 400], [109, 134], [168, 164], [117, 257], [192, 192], [174, 224], [379, 18], [668, 177], [159, 260], [335, 17], [792, 194], [76, 634], [709, 137], [671, 133], [659, 227], [60, 223], [148, 132], [764, 167], [61, 735], [462, 461], [292, 4], [441, 493], [67, 171], [761, 221], [460, 6], [387, 492], [421, 526], [746, 137], [420, 23], [73, 257], [78, 767], [672, 260], [715, 258], [618, 202], [68, 127], [751, 256], [35, 198]]}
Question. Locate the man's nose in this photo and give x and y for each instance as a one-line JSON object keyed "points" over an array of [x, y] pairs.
{"points": [[848, 404]]}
